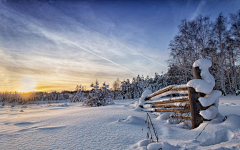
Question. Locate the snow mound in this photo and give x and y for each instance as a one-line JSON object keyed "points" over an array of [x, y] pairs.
{"points": [[181, 125], [135, 104], [164, 116], [163, 146], [63, 105], [145, 94], [210, 113], [220, 136], [200, 85], [132, 120], [210, 98], [24, 123], [204, 64], [138, 109], [51, 128], [233, 121], [143, 143]]}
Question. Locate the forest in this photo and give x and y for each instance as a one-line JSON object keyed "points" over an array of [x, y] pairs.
{"points": [[202, 38], [217, 40]]}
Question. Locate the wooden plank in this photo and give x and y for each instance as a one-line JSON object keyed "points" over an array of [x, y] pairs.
{"points": [[168, 106], [170, 101], [160, 92], [180, 89], [167, 90], [180, 111]]}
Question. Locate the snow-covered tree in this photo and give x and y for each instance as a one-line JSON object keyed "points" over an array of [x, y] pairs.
{"points": [[218, 41], [134, 89], [78, 97], [99, 96]]}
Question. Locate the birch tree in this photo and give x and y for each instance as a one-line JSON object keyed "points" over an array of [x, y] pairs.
{"points": [[219, 34]]}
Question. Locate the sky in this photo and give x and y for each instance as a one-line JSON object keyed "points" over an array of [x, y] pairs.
{"points": [[48, 45]]}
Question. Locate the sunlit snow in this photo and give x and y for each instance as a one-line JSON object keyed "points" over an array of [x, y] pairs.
{"points": [[68, 125]]}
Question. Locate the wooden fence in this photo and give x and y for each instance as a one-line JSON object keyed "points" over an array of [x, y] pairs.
{"points": [[185, 106]]}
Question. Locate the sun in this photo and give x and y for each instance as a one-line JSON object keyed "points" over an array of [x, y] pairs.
{"points": [[27, 84]]}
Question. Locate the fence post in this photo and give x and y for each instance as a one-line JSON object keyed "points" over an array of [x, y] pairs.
{"points": [[195, 105], [197, 75]]}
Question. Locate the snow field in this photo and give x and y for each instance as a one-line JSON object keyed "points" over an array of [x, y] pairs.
{"points": [[72, 126]]}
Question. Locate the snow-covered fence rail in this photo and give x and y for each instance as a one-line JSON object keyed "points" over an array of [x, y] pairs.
{"points": [[172, 89], [178, 105], [196, 101]]}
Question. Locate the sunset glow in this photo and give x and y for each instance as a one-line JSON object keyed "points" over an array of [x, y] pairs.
{"points": [[77, 42], [27, 84]]}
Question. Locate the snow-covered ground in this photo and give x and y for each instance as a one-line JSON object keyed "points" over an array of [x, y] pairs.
{"points": [[72, 126]]}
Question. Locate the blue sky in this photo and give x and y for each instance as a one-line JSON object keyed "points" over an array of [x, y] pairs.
{"points": [[56, 45]]}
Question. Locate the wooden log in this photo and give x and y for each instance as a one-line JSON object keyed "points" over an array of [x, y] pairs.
{"points": [[194, 103], [195, 107], [179, 111], [197, 75], [168, 106], [159, 92], [171, 88], [170, 101], [179, 89]]}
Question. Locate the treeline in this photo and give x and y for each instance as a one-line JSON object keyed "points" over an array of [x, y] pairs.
{"points": [[22, 98], [217, 40], [133, 89]]}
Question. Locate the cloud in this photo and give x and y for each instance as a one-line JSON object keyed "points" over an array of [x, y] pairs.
{"points": [[198, 9], [55, 47]]}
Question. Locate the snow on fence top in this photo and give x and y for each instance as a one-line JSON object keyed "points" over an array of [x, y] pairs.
{"points": [[171, 88]]}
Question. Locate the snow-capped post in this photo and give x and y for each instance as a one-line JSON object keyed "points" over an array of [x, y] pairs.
{"points": [[203, 99], [197, 75], [195, 105]]}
